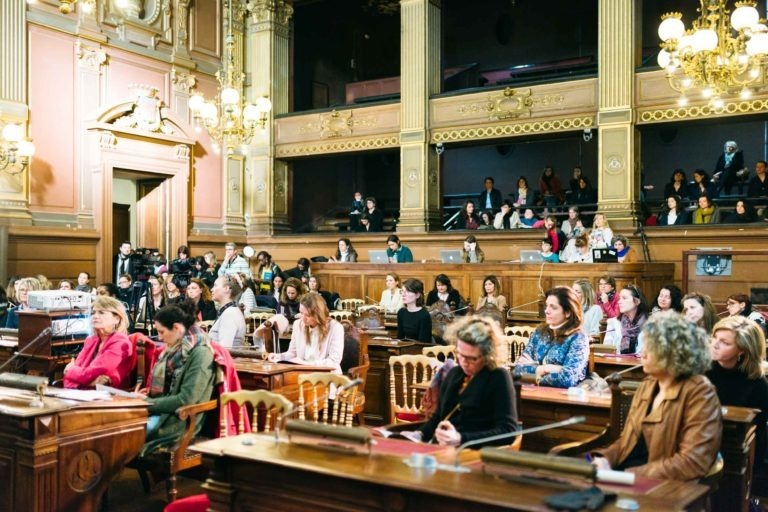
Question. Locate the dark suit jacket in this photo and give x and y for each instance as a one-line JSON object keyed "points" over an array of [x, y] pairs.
{"points": [[683, 218], [377, 220], [495, 200], [487, 405], [132, 266]]}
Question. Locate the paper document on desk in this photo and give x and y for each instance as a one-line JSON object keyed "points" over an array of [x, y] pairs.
{"points": [[79, 395], [410, 435], [118, 392]]}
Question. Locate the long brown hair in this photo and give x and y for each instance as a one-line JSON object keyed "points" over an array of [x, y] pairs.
{"points": [[317, 308]]}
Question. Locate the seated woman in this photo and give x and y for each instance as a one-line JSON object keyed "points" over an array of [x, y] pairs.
{"points": [[606, 296], [699, 310], [345, 253], [743, 214], [314, 285], [66, 285], [290, 296], [633, 313], [22, 288], [558, 350], [738, 350], [467, 218], [580, 253], [555, 235], [624, 253], [392, 296], [707, 212], [572, 226], [477, 398], [397, 252], [472, 253], [702, 185], [491, 294], [413, 320], [524, 195], [277, 286], [669, 297], [247, 298], [229, 328], [592, 313], [546, 252], [148, 308], [507, 218], [200, 295], [739, 304], [601, 234], [301, 268], [445, 292], [486, 220], [677, 185], [172, 291], [374, 215], [674, 214], [316, 339], [674, 427], [182, 375], [528, 220], [107, 357]]}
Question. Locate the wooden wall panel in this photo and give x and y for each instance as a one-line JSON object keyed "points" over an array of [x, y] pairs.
{"points": [[55, 254]]}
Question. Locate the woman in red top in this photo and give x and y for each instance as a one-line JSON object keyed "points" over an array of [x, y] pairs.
{"points": [[108, 356]]}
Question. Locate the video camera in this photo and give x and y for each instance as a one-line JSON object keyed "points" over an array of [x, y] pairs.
{"points": [[147, 260]]}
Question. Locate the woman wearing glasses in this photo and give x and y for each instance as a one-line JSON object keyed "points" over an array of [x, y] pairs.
{"points": [[477, 399], [558, 351]]}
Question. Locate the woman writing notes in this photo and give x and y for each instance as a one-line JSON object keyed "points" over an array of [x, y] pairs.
{"points": [[413, 320], [477, 399]]}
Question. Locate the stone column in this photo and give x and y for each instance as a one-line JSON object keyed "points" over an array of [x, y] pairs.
{"points": [[267, 180], [619, 141], [420, 76], [14, 188]]}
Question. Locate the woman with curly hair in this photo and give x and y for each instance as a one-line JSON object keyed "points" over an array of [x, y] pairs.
{"points": [[669, 297], [674, 426]]}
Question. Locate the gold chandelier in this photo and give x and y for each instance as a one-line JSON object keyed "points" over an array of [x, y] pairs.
{"points": [[15, 150], [230, 121], [720, 55]]}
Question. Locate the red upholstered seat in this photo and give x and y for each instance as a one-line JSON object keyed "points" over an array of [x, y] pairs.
{"points": [[409, 417], [196, 503]]}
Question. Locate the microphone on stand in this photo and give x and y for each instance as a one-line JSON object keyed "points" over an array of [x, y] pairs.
{"points": [[526, 304], [45, 332], [346, 387], [460, 469]]}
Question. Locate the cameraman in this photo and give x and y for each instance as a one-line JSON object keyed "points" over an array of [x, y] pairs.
{"points": [[183, 263]]}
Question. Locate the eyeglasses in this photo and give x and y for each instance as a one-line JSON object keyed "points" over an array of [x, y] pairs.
{"points": [[469, 359]]}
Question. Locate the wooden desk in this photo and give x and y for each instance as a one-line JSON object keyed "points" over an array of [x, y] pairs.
{"points": [[277, 377], [606, 364], [377, 407], [520, 283], [266, 475], [63, 456]]}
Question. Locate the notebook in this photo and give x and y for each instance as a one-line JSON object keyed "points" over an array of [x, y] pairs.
{"points": [[530, 256], [450, 256], [377, 256], [604, 255]]}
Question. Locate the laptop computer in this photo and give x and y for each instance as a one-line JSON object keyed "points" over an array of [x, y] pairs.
{"points": [[530, 256], [604, 255], [450, 256], [377, 256]]}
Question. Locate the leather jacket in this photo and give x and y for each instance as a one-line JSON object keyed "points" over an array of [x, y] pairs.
{"points": [[682, 434]]}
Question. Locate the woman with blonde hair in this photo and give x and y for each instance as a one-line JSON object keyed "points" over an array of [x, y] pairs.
{"points": [[316, 339], [108, 356], [738, 351], [592, 312], [699, 310], [601, 234], [22, 287], [392, 296], [674, 426]]}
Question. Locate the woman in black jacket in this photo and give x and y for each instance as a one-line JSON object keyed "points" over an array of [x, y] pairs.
{"points": [[674, 214]]}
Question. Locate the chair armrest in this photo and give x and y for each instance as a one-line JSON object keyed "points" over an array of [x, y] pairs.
{"points": [[577, 448], [188, 413], [359, 372]]}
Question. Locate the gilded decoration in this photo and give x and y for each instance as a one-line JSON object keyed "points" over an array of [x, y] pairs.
{"points": [[614, 164], [146, 114], [337, 124], [182, 81], [278, 11], [506, 130], [509, 104], [144, 22], [698, 111], [90, 57], [337, 146]]}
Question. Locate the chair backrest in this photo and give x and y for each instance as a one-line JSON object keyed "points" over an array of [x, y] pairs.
{"points": [[515, 345], [342, 315], [146, 355], [351, 304], [355, 347], [369, 318], [491, 311], [440, 352], [520, 330], [598, 348], [256, 318], [404, 372], [320, 388], [265, 407], [622, 393]]}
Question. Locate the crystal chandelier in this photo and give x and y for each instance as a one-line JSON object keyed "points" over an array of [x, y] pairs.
{"points": [[230, 120], [720, 55]]}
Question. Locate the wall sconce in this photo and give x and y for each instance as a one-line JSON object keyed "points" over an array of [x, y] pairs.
{"points": [[15, 151], [87, 6]]}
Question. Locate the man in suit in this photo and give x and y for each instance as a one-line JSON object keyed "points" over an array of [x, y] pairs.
{"points": [[730, 169], [758, 185], [490, 198], [124, 262]]}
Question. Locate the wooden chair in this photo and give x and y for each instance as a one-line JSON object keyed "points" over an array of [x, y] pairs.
{"points": [[342, 315], [256, 318], [266, 408], [440, 352], [206, 325], [491, 311], [515, 346], [356, 344], [370, 318], [598, 348], [521, 330], [166, 463], [404, 398], [318, 387], [351, 304], [146, 355]]}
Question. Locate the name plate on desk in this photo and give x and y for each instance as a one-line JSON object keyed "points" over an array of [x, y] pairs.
{"points": [[329, 436]]}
